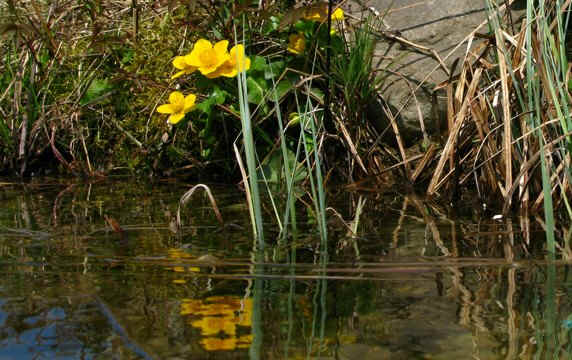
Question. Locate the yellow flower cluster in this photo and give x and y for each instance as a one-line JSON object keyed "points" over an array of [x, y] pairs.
{"points": [[319, 12], [212, 61], [220, 315]]}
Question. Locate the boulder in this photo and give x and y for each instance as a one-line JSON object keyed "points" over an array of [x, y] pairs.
{"points": [[439, 25]]}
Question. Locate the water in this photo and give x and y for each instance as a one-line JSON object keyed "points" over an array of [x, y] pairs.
{"points": [[413, 283]]}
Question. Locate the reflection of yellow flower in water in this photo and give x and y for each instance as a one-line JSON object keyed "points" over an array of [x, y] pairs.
{"points": [[213, 344], [190, 306], [244, 341], [213, 325], [185, 269], [237, 62], [231, 301], [208, 57], [178, 106], [221, 315], [178, 254], [216, 309], [296, 43], [245, 317]]}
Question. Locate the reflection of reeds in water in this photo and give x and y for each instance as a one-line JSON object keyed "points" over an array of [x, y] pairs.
{"points": [[499, 294]]}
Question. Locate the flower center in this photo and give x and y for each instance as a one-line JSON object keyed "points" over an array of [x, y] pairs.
{"points": [[208, 57], [178, 106]]}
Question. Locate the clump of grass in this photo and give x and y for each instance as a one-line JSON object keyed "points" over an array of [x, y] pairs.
{"points": [[509, 115]]}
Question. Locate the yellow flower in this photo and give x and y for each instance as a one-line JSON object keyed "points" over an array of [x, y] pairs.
{"points": [[178, 106], [181, 63], [206, 57], [319, 12], [338, 15], [237, 62], [297, 43]]}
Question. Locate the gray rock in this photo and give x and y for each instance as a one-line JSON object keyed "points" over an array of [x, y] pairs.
{"points": [[436, 24]]}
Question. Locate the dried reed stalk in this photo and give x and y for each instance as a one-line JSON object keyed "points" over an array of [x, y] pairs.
{"points": [[454, 133], [507, 138]]}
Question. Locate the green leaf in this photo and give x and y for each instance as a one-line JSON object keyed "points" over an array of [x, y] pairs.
{"points": [[127, 57], [317, 93], [256, 89], [273, 167], [258, 63], [274, 69], [309, 142], [271, 25], [217, 97], [97, 89], [305, 26], [283, 88], [5, 135]]}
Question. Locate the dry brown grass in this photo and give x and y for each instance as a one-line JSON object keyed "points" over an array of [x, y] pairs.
{"points": [[492, 146]]}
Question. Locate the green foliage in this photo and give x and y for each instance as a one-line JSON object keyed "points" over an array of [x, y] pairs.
{"points": [[352, 69], [97, 93], [98, 89]]}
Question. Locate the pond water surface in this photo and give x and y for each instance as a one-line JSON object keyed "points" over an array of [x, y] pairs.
{"points": [[101, 271]]}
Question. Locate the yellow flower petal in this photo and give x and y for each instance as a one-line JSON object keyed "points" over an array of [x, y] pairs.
{"points": [[166, 109], [221, 47], [176, 98], [235, 63], [179, 62], [246, 65], [218, 72], [176, 117], [216, 58], [319, 12], [202, 45], [179, 74], [237, 56], [316, 12], [189, 102], [206, 57], [338, 15], [178, 107], [297, 43]]}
